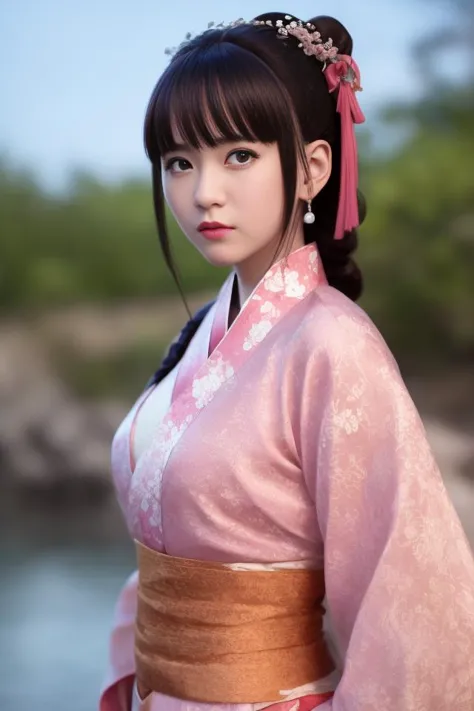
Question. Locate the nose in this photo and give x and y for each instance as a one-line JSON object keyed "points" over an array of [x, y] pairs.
{"points": [[208, 190]]}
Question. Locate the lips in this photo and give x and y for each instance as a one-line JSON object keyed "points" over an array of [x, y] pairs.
{"points": [[213, 226], [214, 230]]}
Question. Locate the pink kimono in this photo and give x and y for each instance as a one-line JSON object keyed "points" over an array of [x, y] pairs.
{"points": [[290, 439]]}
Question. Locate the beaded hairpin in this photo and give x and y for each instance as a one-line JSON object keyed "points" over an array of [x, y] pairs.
{"points": [[310, 40]]}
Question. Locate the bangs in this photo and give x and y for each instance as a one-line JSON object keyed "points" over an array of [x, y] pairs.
{"points": [[220, 93]]}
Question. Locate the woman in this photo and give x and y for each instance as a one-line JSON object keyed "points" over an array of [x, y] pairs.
{"points": [[296, 546]]}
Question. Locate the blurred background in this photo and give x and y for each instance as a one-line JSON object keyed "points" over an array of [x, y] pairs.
{"points": [[86, 304]]}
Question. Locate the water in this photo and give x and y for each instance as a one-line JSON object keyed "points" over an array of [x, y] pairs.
{"points": [[57, 596]]}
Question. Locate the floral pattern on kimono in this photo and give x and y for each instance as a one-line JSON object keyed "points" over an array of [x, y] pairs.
{"points": [[296, 442]]}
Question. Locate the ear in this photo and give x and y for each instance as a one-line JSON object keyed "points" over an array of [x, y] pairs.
{"points": [[319, 165]]}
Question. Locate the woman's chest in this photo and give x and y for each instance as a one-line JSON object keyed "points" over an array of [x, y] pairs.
{"points": [[228, 483]]}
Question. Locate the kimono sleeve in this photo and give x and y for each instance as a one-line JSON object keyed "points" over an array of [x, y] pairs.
{"points": [[399, 570], [117, 688]]}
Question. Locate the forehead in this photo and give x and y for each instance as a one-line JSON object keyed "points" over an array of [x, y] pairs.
{"points": [[215, 136]]}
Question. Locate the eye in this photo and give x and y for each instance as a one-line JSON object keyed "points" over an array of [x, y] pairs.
{"points": [[177, 165], [241, 157]]}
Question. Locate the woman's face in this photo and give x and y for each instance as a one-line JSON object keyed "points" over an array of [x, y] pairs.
{"points": [[236, 185]]}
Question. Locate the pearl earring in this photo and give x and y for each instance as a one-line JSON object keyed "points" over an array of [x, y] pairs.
{"points": [[309, 217]]}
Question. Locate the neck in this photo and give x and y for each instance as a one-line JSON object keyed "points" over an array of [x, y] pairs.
{"points": [[250, 272]]}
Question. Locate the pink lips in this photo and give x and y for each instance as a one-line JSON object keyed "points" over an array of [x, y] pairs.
{"points": [[214, 230]]}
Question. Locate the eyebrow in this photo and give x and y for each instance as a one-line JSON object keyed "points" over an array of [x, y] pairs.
{"points": [[218, 141]]}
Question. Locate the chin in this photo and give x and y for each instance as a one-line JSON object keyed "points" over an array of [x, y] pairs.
{"points": [[217, 262], [220, 255]]}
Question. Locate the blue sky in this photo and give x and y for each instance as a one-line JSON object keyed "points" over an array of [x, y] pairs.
{"points": [[75, 75]]}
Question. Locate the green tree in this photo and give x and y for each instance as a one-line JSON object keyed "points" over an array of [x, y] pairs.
{"points": [[419, 239]]}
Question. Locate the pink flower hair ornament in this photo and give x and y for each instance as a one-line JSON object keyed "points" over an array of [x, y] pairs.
{"points": [[342, 75]]}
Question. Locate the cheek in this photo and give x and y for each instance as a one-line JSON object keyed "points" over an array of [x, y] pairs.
{"points": [[169, 191], [264, 190], [261, 183], [175, 193]]}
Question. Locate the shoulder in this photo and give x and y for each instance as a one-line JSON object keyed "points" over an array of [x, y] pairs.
{"points": [[178, 346], [201, 313], [341, 355], [335, 329]]}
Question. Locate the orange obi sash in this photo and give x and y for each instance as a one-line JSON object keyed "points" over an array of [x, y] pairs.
{"points": [[208, 633]]}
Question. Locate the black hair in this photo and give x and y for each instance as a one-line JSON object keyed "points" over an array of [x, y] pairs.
{"points": [[178, 347], [248, 82]]}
